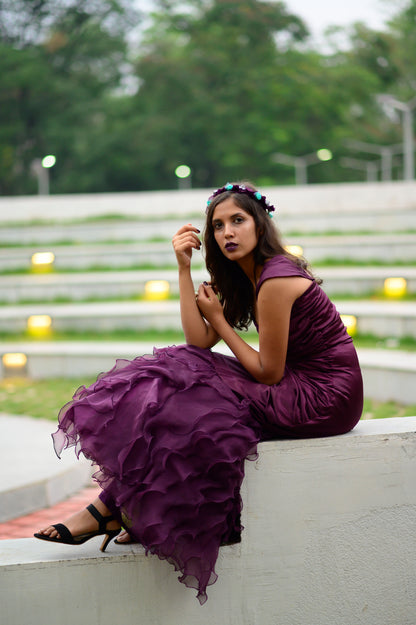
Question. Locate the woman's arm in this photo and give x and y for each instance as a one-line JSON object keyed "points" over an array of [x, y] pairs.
{"points": [[274, 305], [197, 331]]}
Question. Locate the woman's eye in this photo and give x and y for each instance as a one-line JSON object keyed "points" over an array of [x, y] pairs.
{"points": [[238, 220], [217, 226]]}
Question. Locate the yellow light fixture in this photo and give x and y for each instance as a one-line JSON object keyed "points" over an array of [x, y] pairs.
{"points": [[295, 250], [14, 359], [350, 323], [395, 287], [42, 261], [156, 289], [39, 325], [14, 363]]}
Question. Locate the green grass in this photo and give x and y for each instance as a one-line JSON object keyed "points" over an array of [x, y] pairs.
{"points": [[383, 410], [37, 398], [169, 337], [44, 398], [97, 268], [77, 243], [164, 336], [317, 266]]}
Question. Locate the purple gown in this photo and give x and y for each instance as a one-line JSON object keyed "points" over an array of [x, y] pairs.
{"points": [[170, 431]]}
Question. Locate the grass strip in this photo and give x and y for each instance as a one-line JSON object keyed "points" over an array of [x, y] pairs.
{"points": [[175, 337], [44, 398]]}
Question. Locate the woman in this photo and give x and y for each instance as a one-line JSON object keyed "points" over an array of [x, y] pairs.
{"points": [[170, 432]]}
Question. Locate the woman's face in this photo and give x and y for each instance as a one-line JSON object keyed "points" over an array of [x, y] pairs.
{"points": [[234, 230]]}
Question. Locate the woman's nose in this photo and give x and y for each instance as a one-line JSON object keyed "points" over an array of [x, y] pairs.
{"points": [[228, 230]]}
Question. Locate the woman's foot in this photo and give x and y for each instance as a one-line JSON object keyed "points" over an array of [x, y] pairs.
{"points": [[82, 522], [124, 538]]}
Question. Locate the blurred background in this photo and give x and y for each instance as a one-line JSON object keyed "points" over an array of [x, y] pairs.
{"points": [[121, 93]]}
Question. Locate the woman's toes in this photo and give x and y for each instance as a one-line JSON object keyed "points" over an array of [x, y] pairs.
{"points": [[124, 537]]}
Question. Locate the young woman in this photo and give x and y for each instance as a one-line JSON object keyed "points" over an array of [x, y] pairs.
{"points": [[171, 431]]}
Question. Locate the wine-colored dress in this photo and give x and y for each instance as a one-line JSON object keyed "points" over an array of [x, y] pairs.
{"points": [[170, 431]]}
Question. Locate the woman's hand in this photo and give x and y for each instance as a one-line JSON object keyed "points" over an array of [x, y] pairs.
{"points": [[184, 241], [209, 304]]}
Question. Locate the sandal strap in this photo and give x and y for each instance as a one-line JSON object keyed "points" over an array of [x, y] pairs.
{"points": [[64, 532], [102, 520]]}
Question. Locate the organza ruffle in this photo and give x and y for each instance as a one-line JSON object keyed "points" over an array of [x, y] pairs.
{"points": [[170, 438]]}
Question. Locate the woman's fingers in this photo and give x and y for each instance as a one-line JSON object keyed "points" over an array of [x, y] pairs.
{"points": [[185, 242]]}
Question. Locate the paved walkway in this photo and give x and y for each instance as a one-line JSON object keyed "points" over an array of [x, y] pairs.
{"points": [[25, 526], [33, 479]]}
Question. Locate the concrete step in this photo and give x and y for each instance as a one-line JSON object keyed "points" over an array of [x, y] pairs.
{"points": [[362, 248], [118, 284], [378, 207], [31, 475], [380, 318], [325, 199], [388, 374]]}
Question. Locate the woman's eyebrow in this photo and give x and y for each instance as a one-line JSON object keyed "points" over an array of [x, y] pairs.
{"points": [[238, 214]]}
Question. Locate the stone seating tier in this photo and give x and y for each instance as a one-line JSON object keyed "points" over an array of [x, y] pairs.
{"points": [[81, 286], [395, 319], [355, 248]]}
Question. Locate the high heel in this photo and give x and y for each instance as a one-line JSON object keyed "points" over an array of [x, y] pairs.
{"points": [[66, 538]]}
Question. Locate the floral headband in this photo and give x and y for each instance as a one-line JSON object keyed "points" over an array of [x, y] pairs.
{"points": [[241, 188]]}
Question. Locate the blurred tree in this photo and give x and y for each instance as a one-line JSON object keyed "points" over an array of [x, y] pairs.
{"points": [[220, 85], [208, 76], [57, 62], [403, 31], [228, 83]]}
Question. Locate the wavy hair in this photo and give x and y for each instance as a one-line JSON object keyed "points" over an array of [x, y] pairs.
{"points": [[234, 288]]}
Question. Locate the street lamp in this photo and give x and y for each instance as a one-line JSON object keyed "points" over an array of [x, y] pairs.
{"points": [[183, 173], [41, 167], [370, 167], [386, 153], [408, 138], [301, 163]]}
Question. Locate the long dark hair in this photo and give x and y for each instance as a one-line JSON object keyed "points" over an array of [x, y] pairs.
{"points": [[234, 288]]}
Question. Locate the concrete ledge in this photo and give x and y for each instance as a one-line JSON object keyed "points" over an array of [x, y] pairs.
{"points": [[31, 475], [329, 538]]}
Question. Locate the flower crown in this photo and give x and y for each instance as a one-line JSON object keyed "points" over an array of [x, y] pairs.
{"points": [[241, 188]]}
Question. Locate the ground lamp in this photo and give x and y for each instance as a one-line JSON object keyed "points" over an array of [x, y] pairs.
{"points": [[350, 323], [395, 287], [156, 290], [42, 262], [14, 364]]}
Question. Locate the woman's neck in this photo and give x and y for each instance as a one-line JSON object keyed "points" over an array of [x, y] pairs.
{"points": [[251, 270]]}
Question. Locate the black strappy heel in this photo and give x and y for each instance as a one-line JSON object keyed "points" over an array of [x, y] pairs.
{"points": [[66, 538]]}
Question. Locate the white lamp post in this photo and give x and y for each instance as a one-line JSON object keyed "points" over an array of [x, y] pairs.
{"points": [[301, 163], [183, 174], [370, 167], [386, 152], [408, 138], [41, 169]]}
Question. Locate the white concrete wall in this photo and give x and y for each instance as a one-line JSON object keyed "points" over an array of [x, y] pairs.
{"points": [[330, 539], [323, 198]]}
